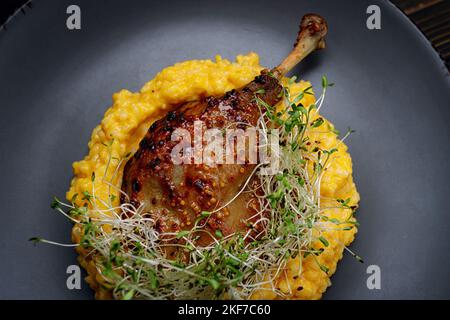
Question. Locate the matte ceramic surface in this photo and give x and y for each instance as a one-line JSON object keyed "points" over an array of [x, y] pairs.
{"points": [[391, 87]]}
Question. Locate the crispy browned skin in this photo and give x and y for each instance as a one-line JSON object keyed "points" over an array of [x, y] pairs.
{"points": [[175, 195]]}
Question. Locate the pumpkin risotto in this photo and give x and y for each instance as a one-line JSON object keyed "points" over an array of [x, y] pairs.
{"points": [[125, 124]]}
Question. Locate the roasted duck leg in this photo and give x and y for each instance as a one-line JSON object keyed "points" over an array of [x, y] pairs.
{"points": [[175, 196]]}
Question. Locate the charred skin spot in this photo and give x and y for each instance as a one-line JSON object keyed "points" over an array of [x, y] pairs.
{"points": [[138, 154], [231, 94], [172, 115], [154, 163], [199, 185], [180, 119], [151, 147], [234, 103], [261, 79], [146, 144], [154, 125], [136, 186], [211, 102], [232, 98]]}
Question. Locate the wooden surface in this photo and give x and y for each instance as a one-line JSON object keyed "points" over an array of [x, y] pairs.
{"points": [[432, 17]]}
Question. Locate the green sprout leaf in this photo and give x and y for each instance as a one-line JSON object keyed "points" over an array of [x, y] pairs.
{"points": [[324, 241], [317, 123]]}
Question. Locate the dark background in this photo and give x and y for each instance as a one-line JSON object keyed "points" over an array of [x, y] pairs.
{"points": [[432, 17], [8, 7]]}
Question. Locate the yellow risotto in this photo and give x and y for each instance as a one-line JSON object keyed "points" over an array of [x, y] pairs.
{"points": [[130, 116]]}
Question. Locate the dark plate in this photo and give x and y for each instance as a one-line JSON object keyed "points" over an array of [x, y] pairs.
{"points": [[391, 87]]}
